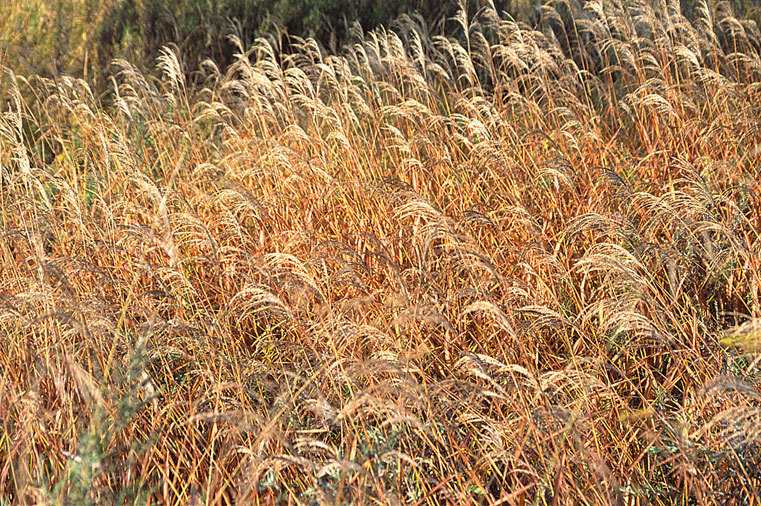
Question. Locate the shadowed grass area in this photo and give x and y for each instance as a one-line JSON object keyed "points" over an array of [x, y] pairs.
{"points": [[502, 264], [81, 37]]}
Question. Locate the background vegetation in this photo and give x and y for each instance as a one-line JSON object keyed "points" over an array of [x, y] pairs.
{"points": [[51, 37], [491, 259], [82, 37]]}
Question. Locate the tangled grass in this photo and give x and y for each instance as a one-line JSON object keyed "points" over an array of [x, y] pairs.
{"points": [[508, 265]]}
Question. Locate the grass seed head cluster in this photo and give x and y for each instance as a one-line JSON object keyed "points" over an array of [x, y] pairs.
{"points": [[504, 263]]}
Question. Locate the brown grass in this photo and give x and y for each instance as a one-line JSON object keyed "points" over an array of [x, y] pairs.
{"points": [[503, 266]]}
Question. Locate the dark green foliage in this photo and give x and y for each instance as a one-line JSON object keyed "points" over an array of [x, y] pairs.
{"points": [[138, 29]]}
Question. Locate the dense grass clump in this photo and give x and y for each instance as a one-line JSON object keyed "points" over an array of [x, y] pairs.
{"points": [[501, 263]]}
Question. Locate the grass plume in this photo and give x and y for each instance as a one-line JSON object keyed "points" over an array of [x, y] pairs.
{"points": [[497, 263]]}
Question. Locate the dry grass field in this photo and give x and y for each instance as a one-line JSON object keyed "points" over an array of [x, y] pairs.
{"points": [[501, 265]]}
